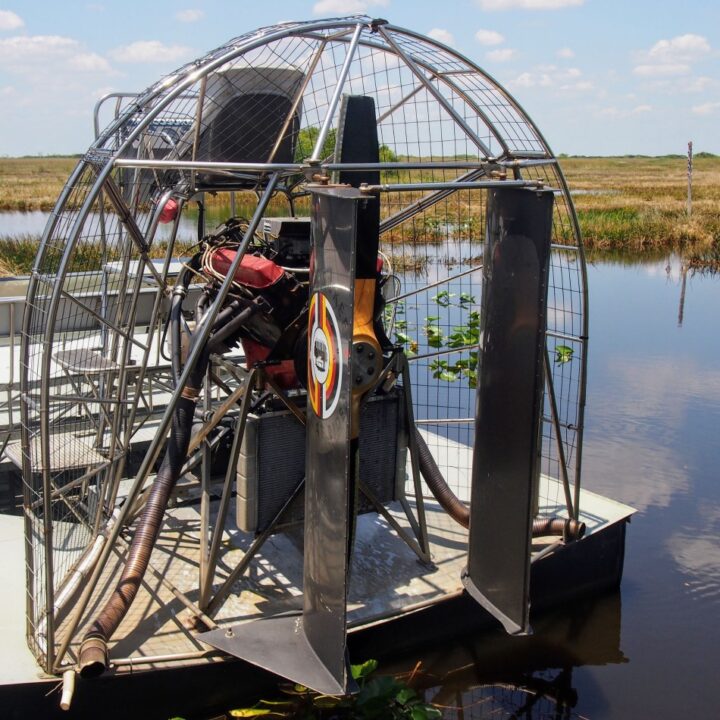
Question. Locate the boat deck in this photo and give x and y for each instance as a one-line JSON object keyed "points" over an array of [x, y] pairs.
{"points": [[386, 579]]}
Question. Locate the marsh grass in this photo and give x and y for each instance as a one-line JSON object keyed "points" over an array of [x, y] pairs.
{"points": [[624, 203], [640, 203], [33, 183], [17, 254]]}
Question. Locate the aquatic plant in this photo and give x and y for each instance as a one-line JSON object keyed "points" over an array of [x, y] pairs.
{"points": [[380, 697]]}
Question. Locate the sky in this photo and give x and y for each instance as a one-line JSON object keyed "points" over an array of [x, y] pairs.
{"points": [[598, 77]]}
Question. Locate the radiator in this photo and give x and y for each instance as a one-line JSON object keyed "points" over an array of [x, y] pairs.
{"points": [[272, 461]]}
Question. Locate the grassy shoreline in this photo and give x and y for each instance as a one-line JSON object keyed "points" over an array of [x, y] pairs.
{"points": [[640, 203], [623, 203]]}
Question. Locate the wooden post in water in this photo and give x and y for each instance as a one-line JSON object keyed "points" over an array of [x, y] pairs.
{"points": [[689, 179]]}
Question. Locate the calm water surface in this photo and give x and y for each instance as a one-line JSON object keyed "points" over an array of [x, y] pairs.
{"points": [[652, 441]]}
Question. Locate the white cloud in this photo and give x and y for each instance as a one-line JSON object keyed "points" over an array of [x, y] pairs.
{"points": [[698, 84], [15, 50], [662, 70], [149, 51], [346, 7], [89, 62], [566, 53], [189, 15], [527, 4], [609, 112], [683, 48], [524, 80], [442, 36], [581, 86], [502, 55], [489, 37], [27, 54], [9, 20], [669, 58], [7, 91], [614, 113], [709, 108], [565, 79]]}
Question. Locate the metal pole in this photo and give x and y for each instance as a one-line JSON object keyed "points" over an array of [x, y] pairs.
{"points": [[205, 482], [562, 462], [297, 100], [336, 95], [198, 128], [211, 552], [689, 178], [453, 185]]}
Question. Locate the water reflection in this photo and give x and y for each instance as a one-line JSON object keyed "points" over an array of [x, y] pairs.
{"points": [[636, 425], [16, 224], [496, 676]]}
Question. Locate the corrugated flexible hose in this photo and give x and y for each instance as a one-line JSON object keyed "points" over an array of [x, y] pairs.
{"points": [[93, 657], [569, 529]]}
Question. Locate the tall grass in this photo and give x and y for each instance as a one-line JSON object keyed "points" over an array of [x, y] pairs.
{"points": [[32, 183], [17, 254], [640, 203], [628, 203]]}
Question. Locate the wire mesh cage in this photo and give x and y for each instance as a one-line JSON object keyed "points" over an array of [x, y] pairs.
{"points": [[242, 131]]}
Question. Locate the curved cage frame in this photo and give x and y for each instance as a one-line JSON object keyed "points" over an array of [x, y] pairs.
{"points": [[93, 374]]}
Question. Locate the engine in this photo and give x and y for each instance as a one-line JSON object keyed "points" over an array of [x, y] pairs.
{"points": [[269, 290], [267, 308]]}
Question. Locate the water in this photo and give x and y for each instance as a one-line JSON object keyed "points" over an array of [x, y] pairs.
{"points": [[651, 650], [653, 414]]}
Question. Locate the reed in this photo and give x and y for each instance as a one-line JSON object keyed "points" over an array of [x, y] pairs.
{"points": [[623, 204], [33, 183], [640, 203]]}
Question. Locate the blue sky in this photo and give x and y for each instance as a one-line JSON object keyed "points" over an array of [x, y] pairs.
{"points": [[599, 77]]}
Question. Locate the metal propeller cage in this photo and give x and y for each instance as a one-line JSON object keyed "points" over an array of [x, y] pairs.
{"points": [[93, 373]]}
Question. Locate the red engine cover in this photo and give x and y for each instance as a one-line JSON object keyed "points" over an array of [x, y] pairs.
{"points": [[283, 373], [254, 271]]}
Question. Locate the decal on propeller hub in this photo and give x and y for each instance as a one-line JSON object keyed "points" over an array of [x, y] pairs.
{"points": [[324, 377]]}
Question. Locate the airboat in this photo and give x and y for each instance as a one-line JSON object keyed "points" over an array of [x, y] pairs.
{"points": [[353, 403]]}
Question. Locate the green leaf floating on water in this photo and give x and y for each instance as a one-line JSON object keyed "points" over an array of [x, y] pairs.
{"points": [[360, 672], [443, 298], [563, 353]]}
